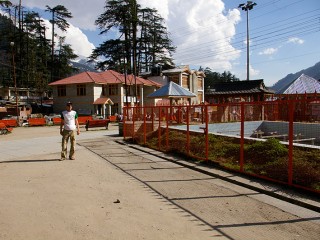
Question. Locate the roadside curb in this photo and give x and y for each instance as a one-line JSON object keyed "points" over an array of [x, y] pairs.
{"points": [[241, 179]]}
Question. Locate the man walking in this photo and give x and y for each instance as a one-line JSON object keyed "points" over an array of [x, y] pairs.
{"points": [[69, 122]]}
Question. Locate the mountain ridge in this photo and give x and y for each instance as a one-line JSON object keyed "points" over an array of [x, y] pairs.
{"points": [[84, 66], [313, 72]]}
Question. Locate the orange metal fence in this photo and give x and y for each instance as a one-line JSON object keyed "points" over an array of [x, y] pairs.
{"points": [[276, 140]]}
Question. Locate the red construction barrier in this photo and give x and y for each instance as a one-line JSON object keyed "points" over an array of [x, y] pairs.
{"points": [[56, 121], [10, 122], [37, 121]]}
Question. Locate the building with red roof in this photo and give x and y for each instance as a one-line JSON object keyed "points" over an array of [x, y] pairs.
{"points": [[102, 93]]}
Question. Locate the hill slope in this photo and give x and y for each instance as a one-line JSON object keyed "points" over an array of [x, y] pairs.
{"points": [[84, 66]]}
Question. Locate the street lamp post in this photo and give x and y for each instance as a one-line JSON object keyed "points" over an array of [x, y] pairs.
{"points": [[247, 7], [14, 79]]}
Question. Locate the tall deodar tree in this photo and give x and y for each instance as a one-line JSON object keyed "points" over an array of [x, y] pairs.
{"points": [[142, 42], [59, 15]]}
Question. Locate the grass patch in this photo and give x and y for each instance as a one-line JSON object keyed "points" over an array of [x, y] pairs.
{"points": [[268, 158]]}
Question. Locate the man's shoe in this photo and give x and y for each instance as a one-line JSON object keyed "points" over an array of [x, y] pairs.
{"points": [[62, 158], [72, 158]]}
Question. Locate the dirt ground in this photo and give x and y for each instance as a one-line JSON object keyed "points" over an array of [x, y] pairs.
{"points": [[114, 191], [43, 198]]}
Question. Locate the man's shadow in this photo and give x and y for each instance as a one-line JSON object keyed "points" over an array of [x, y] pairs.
{"points": [[31, 161]]}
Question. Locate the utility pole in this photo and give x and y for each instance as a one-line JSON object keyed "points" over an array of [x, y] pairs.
{"points": [[247, 7], [134, 46], [14, 79]]}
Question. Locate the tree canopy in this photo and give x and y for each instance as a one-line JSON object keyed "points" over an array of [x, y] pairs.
{"points": [[142, 43], [215, 77], [24, 37]]}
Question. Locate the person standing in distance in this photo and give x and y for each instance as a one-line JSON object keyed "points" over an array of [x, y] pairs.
{"points": [[69, 122]]}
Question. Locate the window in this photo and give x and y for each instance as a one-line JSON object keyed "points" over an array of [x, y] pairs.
{"points": [[62, 91], [81, 90], [104, 90], [174, 79], [200, 83], [114, 109], [138, 90], [113, 89], [200, 97], [185, 82]]}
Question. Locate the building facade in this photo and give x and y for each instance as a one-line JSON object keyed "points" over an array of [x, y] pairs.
{"points": [[191, 80], [238, 91], [103, 93]]}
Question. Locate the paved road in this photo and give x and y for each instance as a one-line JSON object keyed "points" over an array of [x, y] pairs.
{"points": [[160, 196], [235, 212], [43, 198]]}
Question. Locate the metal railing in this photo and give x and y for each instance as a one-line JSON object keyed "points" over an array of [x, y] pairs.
{"points": [[275, 140]]}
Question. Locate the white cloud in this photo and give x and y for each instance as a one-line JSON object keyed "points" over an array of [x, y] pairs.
{"points": [[84, 12], [296, 40], [253, 72], [79, 42], [202, 29], [268, 51], [161, 6], [75, 37]]}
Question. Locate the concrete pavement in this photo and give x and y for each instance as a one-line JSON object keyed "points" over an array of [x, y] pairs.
{"points": [[43, 198]]}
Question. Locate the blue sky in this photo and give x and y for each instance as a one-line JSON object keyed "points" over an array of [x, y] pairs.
{"points": [[285, 37], [284, 34]]}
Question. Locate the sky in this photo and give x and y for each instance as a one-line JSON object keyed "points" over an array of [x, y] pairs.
{"points": [[284, 35]]}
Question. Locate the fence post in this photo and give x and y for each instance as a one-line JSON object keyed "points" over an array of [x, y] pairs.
{"points": [[167, 127], [188, 133], [144, 125], [159, 128], [206, 131], [133, 122], [242, 137], [290, 153], [152, 118], [125, 115]]}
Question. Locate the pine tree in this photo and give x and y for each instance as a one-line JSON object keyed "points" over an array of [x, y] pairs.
{"points": [[31, 49], [141, 53], [59, 15], [5, 3], [215, 77]]}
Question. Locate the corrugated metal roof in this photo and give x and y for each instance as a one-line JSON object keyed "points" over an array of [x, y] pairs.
{"points": [[171, 90], [303, 84]]}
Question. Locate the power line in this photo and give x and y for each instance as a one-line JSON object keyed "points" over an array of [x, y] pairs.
{"points": [[230, 53], [285, 58], [284, 26], [186, 33], [303, 24], [260, 40]]}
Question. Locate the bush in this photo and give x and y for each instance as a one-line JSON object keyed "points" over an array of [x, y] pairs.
{"points": [[263, 152]]}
